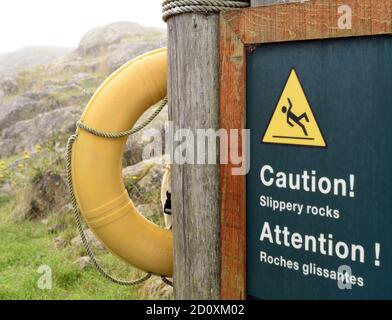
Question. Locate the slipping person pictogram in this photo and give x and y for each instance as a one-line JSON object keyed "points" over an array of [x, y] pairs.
{"points": [[293, 121], [293, 117]]}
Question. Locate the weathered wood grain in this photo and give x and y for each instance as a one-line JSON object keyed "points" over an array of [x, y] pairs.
{"points": [[316, 19], [257, 3], [233, 206], [193, 92]]}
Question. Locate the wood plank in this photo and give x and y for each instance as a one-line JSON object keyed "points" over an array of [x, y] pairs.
{"points": [[233, 207], [194, 104], [311, 20]]}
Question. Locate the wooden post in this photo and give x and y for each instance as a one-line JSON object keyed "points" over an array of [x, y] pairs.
{"points": [[193, 91]]}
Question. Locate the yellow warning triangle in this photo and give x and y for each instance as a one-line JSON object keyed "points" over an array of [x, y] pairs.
{"points": [[293, 122]]}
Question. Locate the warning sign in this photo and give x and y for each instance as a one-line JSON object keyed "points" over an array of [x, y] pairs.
{"points": [[293, 121], [318, 220]]}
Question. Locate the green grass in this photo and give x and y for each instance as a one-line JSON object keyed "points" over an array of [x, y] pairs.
{"points": [[26, 246]]}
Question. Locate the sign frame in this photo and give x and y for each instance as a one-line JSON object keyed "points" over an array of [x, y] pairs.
{"points": [[242, 30]]}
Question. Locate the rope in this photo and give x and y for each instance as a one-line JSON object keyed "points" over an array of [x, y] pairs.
{"points": [[76, 211], [167, 281], [118, 135], [174, 7]]}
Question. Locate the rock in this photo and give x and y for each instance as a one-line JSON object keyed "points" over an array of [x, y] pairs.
{"points": [[70, 66], [143, 182], [24, 108], [47, 195], [28, 57], [153, 178], [8, 110], [34, 95], [13, 104], [43, 127], [149, 210], [59, 243], [91, 239], [6, 189], [66, 209], [32, 103], [155, 289], [83, 262], [139, 141], [79, 78], [5, 147], [57, 228], [94, 65], [122, 53], [100, 38], [35, 103], [140, 169], [9, 86], [52, 89]]}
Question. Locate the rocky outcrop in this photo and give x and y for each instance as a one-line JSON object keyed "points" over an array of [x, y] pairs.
{"points": [[102, 37], [78, 79], [24, 135], [138, 142], [48, 194], [148, 173], [28, 57], [154, 289], [122, 53], [22, 108], [8, 86], [30, 101], [143, 182], [148, 210]]}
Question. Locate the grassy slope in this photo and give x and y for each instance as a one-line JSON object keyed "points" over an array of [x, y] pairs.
{"points": [[26, 246]]}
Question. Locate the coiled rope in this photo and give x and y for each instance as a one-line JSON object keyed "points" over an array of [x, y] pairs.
{"points": [[76, 211], [174, 7]]}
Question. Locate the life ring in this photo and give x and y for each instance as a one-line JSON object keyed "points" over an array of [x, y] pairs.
{"points": [[97, 165]]}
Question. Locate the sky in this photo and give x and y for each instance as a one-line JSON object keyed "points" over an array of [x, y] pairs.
{"points": [[63, 22]]}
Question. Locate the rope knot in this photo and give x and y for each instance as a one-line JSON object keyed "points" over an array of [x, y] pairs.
{"points": [[174, 7]]}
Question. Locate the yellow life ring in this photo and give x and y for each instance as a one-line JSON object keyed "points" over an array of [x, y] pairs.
{"points": [[97, 165]]}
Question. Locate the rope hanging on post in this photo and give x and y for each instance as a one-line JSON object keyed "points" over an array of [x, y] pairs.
{"points": [[174, 7]]}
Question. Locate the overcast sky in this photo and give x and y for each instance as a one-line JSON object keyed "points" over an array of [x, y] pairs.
{"points": [[63, 22]]}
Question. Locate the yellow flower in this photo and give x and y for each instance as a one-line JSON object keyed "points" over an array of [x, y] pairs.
{"points": [[2, 165], [135, 178], [20, 166], [26, 156], [38, 148]]}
